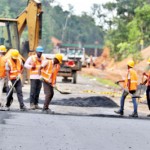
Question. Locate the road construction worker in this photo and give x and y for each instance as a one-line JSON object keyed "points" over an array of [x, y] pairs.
{"points": [[48, 71], [33, 63], [130, 86], [147, 82], [14, 68], [3, 51]]}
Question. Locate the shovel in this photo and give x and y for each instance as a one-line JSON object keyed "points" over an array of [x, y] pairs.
{"points": [[10, 90], [62, 92], [132, 95]]}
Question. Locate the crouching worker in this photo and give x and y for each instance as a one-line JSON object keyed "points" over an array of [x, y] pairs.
{"points": [[48, 71], [14, 68]]}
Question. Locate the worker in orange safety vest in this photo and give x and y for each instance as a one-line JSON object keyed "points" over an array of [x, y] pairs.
{"points": [[14, 68], [3, 51], [130, 86], [48, 71], [33, 63], [147, 82]]}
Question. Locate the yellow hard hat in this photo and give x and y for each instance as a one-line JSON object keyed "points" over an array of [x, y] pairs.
{"points": [[148, 61], [3, 48], [59, 57], [15, 54], [130, 63]]}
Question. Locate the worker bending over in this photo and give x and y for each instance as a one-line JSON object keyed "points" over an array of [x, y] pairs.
{"points": [[147, 82], [48, 71], [33, 63], [3, 51], [130, 86], [14, 68]]}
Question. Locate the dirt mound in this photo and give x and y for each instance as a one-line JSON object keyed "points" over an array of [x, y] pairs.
{"points": [[107, 68], [95, 101], [146, 53], [103, 60]]}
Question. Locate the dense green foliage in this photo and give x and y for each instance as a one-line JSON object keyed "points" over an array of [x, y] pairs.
{"points": [[122, 25], [63, 25], [129, 30]]}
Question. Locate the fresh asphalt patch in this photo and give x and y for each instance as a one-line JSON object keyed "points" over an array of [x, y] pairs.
{"points": [[92, 101]]}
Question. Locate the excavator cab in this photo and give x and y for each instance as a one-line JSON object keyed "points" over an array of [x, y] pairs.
{"points": [[11, 29], [9, 33]]}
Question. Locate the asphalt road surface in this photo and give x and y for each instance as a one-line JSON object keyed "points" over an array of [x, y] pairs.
{"points": [[24, 131], [77, 130]]}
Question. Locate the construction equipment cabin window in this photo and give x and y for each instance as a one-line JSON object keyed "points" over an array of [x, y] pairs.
{"points": [[9, 34]]}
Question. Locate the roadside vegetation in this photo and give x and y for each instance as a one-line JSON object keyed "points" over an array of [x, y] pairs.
{"points": [[102, 81]]}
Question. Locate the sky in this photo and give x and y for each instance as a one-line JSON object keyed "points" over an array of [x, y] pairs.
{"points": [[81, 5]]}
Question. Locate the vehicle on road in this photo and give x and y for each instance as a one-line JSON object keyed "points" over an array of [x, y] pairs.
{"points": [[72, 63]]}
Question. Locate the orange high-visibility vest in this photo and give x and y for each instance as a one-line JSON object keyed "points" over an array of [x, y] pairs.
{"points": [[36, 63], [2, 67], [49, 72], [15, 68], [133, 80]]}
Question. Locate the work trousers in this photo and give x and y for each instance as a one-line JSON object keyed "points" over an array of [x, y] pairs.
{"points": [[1, 90], [122, 100], [18, 88], [148, 96], [49, 93], [35, 88]]}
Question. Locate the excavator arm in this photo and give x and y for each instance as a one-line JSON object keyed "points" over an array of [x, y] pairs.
{"points": [[31, 18]]}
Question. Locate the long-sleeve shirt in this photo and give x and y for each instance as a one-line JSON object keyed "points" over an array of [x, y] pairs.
{"points": [[28, 65]]}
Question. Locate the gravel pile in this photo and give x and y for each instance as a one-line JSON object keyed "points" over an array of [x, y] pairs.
{"points": [[93, 101]]}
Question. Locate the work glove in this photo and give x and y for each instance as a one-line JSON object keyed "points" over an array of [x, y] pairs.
{"points": [[18, 77], [55, 86], [41, 78], [117, 82], [9, 83]]}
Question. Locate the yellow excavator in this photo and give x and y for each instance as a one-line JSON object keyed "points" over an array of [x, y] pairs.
{"points": [[11, 29]]}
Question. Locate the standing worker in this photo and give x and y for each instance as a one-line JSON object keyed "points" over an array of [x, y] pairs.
{"points": [[48, 72], [33, 63], [14, 68], [3, 51], [147, 82], [130, 86]]}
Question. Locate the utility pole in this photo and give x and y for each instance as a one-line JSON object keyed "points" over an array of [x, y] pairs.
{"points": [[64, 27], [95, 53]]}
